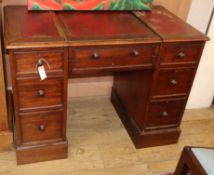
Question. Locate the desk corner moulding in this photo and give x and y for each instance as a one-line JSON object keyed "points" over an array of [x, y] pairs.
{"points": [[155, 49]]}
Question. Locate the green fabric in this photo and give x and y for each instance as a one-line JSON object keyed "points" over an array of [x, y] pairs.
{"points": [[90, 4]]}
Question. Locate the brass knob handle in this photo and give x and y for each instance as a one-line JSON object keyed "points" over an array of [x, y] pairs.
{"points": [[40, 93], [95, 56], [40, 62], [41, 128], [174, 82], [135, 52], [181, 55], [165, 114]]}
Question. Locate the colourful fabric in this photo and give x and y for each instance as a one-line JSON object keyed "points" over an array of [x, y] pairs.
{"points": [[90, 4]]}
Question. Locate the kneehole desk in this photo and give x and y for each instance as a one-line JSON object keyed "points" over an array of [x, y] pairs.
{"points": [[152, 55]]}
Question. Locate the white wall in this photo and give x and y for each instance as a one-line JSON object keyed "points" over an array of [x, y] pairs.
{"points": [[199, 13], [203, 88]]}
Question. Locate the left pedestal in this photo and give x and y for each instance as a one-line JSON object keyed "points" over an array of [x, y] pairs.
{"points": [[40, 105], [38, 153]]}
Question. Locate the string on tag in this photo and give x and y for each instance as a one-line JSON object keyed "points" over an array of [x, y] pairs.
{"points": [[40, 68], [42, 60]]}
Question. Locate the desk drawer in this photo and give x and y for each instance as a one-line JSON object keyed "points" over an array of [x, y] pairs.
{"points": [[111, 56], [181, 54], [173, 82], [164, 113], [27, 62], [34, 93], [41, 127], [87, 57], [135, 55]]}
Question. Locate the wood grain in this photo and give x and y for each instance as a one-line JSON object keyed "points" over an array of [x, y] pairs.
{"points": [[41, 127], [173, 82], [189, 164], [6, 141], [178, 7], [153, 30], [99, 144], [173, 30], [52, 60], [181, 54], [5, 133], [3, 111], [86, 60]]}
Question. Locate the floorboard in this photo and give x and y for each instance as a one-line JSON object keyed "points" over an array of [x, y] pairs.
{"points": [[99, 144]]}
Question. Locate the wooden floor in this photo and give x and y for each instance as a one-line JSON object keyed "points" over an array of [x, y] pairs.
{"points": [[99, 144]]}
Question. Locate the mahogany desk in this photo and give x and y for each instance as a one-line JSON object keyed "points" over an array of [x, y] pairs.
{"points": [[152, 55]]}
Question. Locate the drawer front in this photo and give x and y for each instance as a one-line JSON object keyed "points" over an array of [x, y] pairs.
{"points": [[41, 127], [138, 55], [181, 54], [93, 57], [164, 113], [27, 62], [33, 93], [173, 82], [90, 57]]}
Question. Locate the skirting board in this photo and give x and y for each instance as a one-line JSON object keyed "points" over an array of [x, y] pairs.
{"points": [[6, 141]]}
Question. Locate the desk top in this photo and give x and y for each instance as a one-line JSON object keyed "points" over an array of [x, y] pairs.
{"points": [[168, 26], [24, 29], [55, 29], [94, 26]]}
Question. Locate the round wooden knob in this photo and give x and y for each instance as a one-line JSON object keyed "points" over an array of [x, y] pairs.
{"points": [[42, 128], [96, 56], [135, 52], [40, 93], [181, 55], [174, 82], [165, 114]]}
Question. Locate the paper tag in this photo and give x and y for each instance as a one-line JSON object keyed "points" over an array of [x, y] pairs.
{"points": [[42, 73]]}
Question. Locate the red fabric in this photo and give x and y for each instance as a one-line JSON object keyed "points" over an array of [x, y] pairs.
{"points": [[88, 4]]}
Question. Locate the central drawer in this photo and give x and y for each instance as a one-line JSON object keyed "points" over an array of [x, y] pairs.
{"points": [[41, 127], [35, 94], [112, 56]]}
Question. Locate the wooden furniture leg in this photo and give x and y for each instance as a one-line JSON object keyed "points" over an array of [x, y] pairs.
{"points": [[5, 133], [188, 164]]}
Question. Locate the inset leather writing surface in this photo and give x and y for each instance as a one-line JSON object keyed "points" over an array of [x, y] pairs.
{"points": [[153, 74], [32, 26], [83, 26], [24, 29], [168, 26], [28, 28]]}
